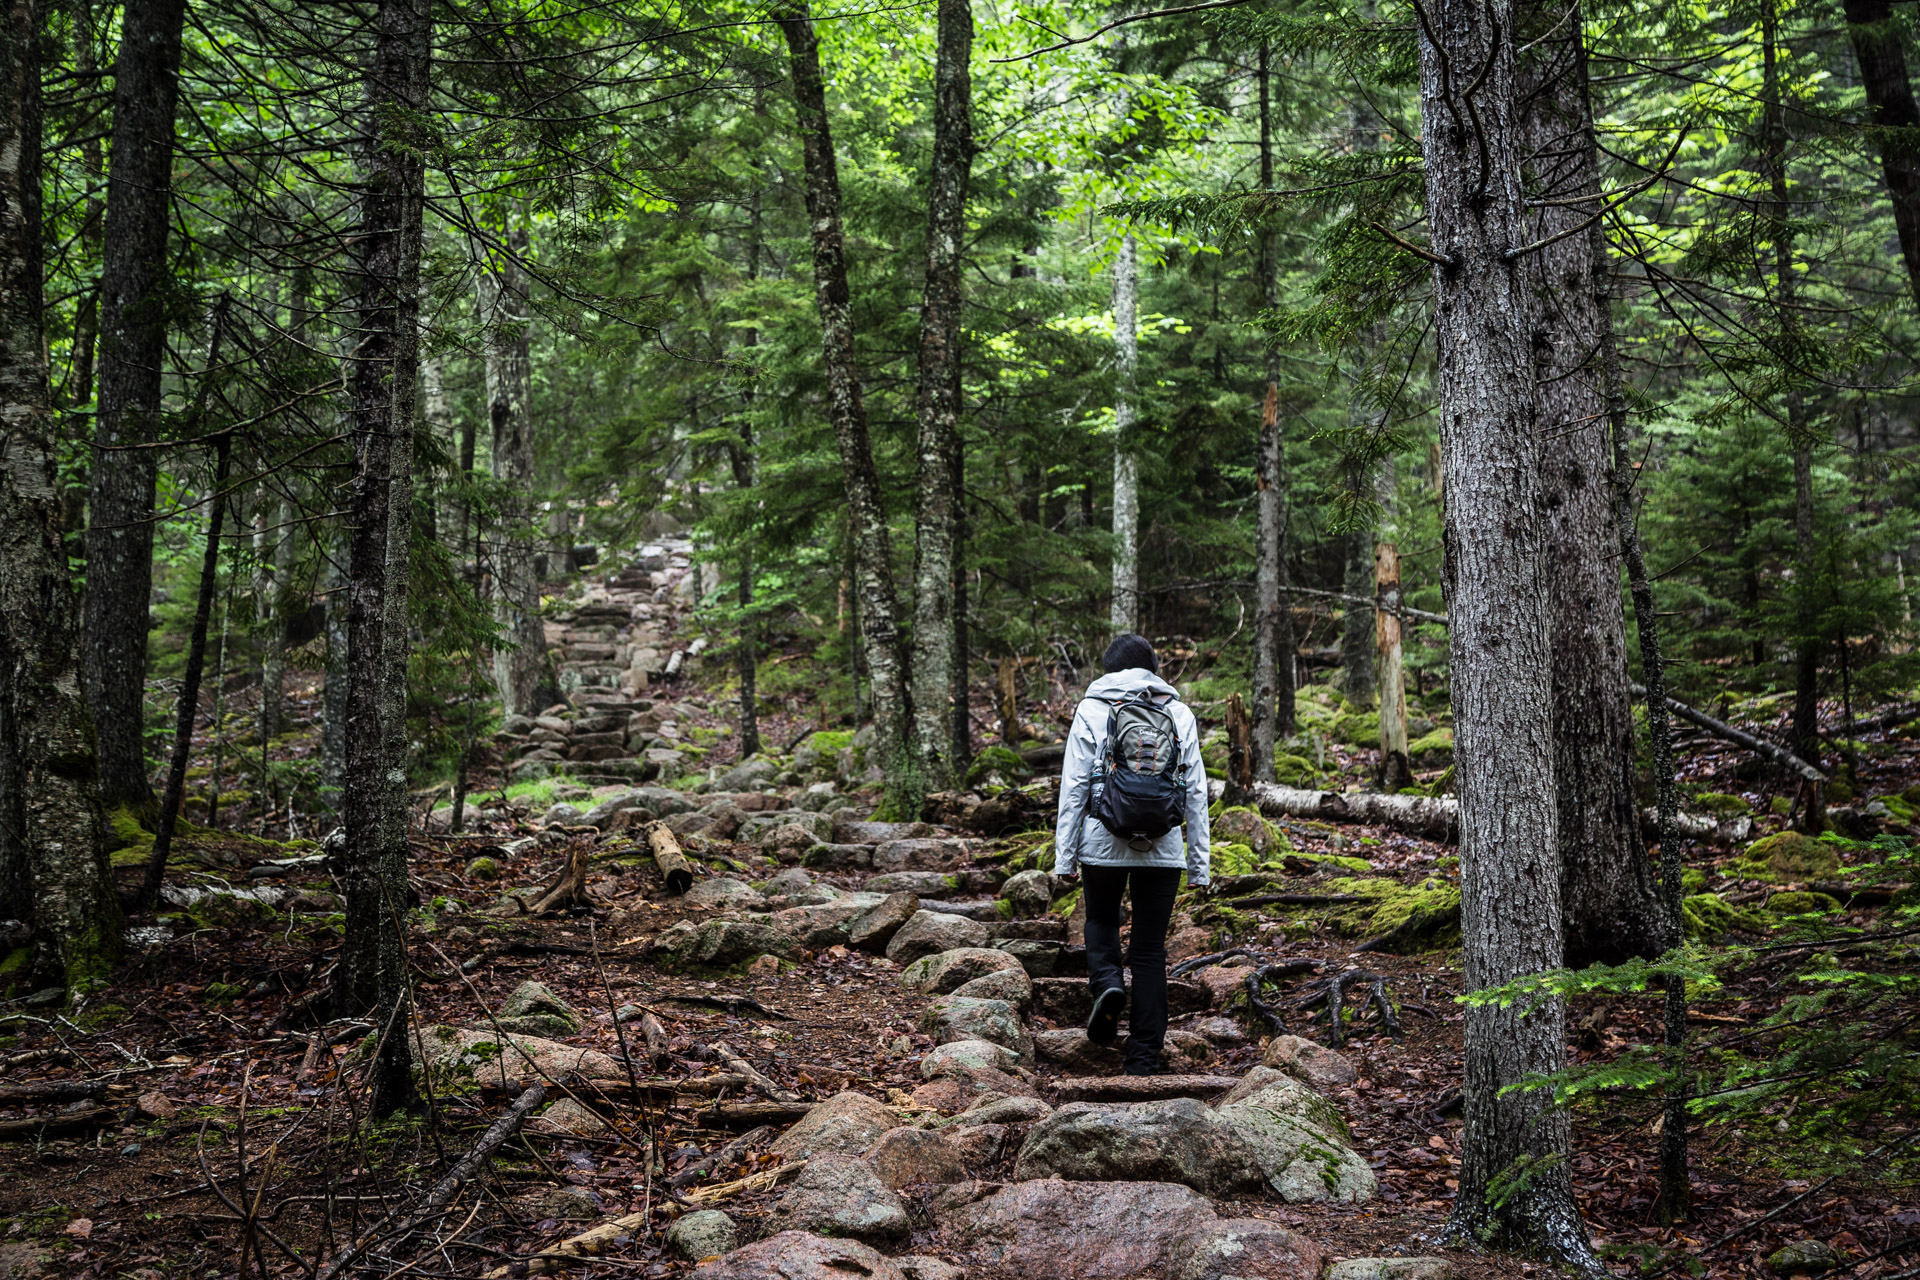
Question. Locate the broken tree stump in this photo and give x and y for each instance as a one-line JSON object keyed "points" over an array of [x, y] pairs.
{"points": [[673, 864]]}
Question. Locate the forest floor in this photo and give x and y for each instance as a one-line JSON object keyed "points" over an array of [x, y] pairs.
{"points": [[197, 1117]]}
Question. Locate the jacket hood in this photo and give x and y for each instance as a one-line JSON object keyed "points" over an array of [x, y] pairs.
{"points": [[1117, 684]]}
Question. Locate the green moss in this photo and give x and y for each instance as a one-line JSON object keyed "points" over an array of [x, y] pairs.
{"points": [[1002, 760], [1839, 791], [1903, 810], [18, 962], [1357, 729], [832, 741], [1294, 771], [1708, 915], [1250, 827], [1788, 856], [1692, 880], [1722, 805], [222, 992], [538, 793], [1234, 859], [1335, 860], [1438, 743], [1390, 905], [1802, 903]]}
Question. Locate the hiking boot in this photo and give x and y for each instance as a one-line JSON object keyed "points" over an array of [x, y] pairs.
{"points": [[1103, 1024]]}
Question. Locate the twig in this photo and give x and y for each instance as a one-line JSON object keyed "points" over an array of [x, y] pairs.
{"points": [[1067, 42]]}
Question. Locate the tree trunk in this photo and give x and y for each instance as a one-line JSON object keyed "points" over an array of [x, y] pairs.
{"points": [[867, 521], [746, 657], [333, 694], [133, 332], [1125, 610], [1607, 894], [1515, 1188], [449, 511], [1396, 766], [962, 720], [523, 671], [53, 861], [1272, 711], [373, 863], [1878, 48], [938, 409], [1356, 632], [1784, 286]]}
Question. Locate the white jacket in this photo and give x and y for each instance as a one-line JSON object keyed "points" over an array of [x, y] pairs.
{"points": [[1077, 837]]}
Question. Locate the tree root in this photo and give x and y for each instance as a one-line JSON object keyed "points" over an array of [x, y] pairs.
{"points": [[1333, 991], [1267, 1013]]}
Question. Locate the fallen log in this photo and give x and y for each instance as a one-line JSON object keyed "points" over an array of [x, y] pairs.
{"points": [[1739, 737], [765, 1180], [1140, 1088], [750, 1115], [655, 1035], [740, 1066], [673, 864], [58, 1122], [1438, 817], [14, 1095]]}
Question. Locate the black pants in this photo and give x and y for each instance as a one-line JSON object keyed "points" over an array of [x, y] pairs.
{"points": [[1153, 889]]}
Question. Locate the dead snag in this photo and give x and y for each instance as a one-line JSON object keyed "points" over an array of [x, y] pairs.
{"points": [[568, 889]]}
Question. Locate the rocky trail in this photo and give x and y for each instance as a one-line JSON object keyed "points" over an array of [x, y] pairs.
{"points": [[848, 1047]]}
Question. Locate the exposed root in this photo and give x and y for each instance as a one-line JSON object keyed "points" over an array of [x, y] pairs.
{"points": [[1333, 991]]}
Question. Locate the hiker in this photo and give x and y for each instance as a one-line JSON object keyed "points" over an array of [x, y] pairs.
{"points": [[1131, 779]]}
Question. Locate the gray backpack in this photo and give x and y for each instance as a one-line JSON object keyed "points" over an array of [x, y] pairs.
{"points": [[1142, 789]]}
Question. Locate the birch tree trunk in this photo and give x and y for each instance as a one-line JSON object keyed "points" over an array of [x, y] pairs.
{"points": [[523, 671], [1272, 711], [1607, 893], [53, 859], [449, 511], [1125, 612], [373, 863], [1356, 631], [133, 331], [1515, 1187], [937, 508], [867, 522]]}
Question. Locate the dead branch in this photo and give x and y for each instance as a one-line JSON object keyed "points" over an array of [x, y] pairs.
{"points": [[720, 1159], [1739, 737], [568, 889], [741, 1066]]}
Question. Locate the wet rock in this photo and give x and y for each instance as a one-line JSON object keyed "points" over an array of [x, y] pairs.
{"points": [[876, 926], [721, 892], [928, 933], [1314, 1065], [964, 1018], [1070, 1048], [704, 1233], [946, 971], [1054, 1230], [959, 1087], [1224, 1032], [1016, 1109], [799, 1255], [725, 942], [918, 855], [1253, 1249], [978, 1144], [906, 1155], [971, 1053], [1039, 959], [837, 1195], [569, 1116], [846, 1124], [482, 868], [1391, 1269], [1029, 892], [1011, 985], [1299, 1140], [1178, 1140], [920, 1267]]}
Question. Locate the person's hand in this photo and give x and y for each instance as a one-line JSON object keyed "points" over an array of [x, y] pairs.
{"points": [[1202, 891], [1068, 878]]}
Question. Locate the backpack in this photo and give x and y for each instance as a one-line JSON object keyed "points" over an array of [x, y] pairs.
{"points": [[1141, 793]]}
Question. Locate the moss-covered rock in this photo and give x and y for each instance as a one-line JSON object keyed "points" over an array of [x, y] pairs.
{"points": [[1422, 916], [1001, 760], [1356, 729], [1249, 827], [1295, 771], [1722, 805], [1708, 916], [1334, 861], [1802, 903], [1232, 858], [1788, 856], [1434, 748]]}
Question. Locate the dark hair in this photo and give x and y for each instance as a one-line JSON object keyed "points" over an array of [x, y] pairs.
{"points": [[1129, 651]]}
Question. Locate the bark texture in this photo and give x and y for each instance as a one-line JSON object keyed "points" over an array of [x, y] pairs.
{"points": [[1894, 117], [1125, 612], [133, 330], [867, 523], [1515, 1188], [523, 671], [1356, 632], [1606, 885], [1272, 712], [373, 860], [53, 862], [937, 507]]}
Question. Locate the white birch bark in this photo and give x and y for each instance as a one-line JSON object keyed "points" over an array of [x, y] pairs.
{"points": [[1125, 614]]}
